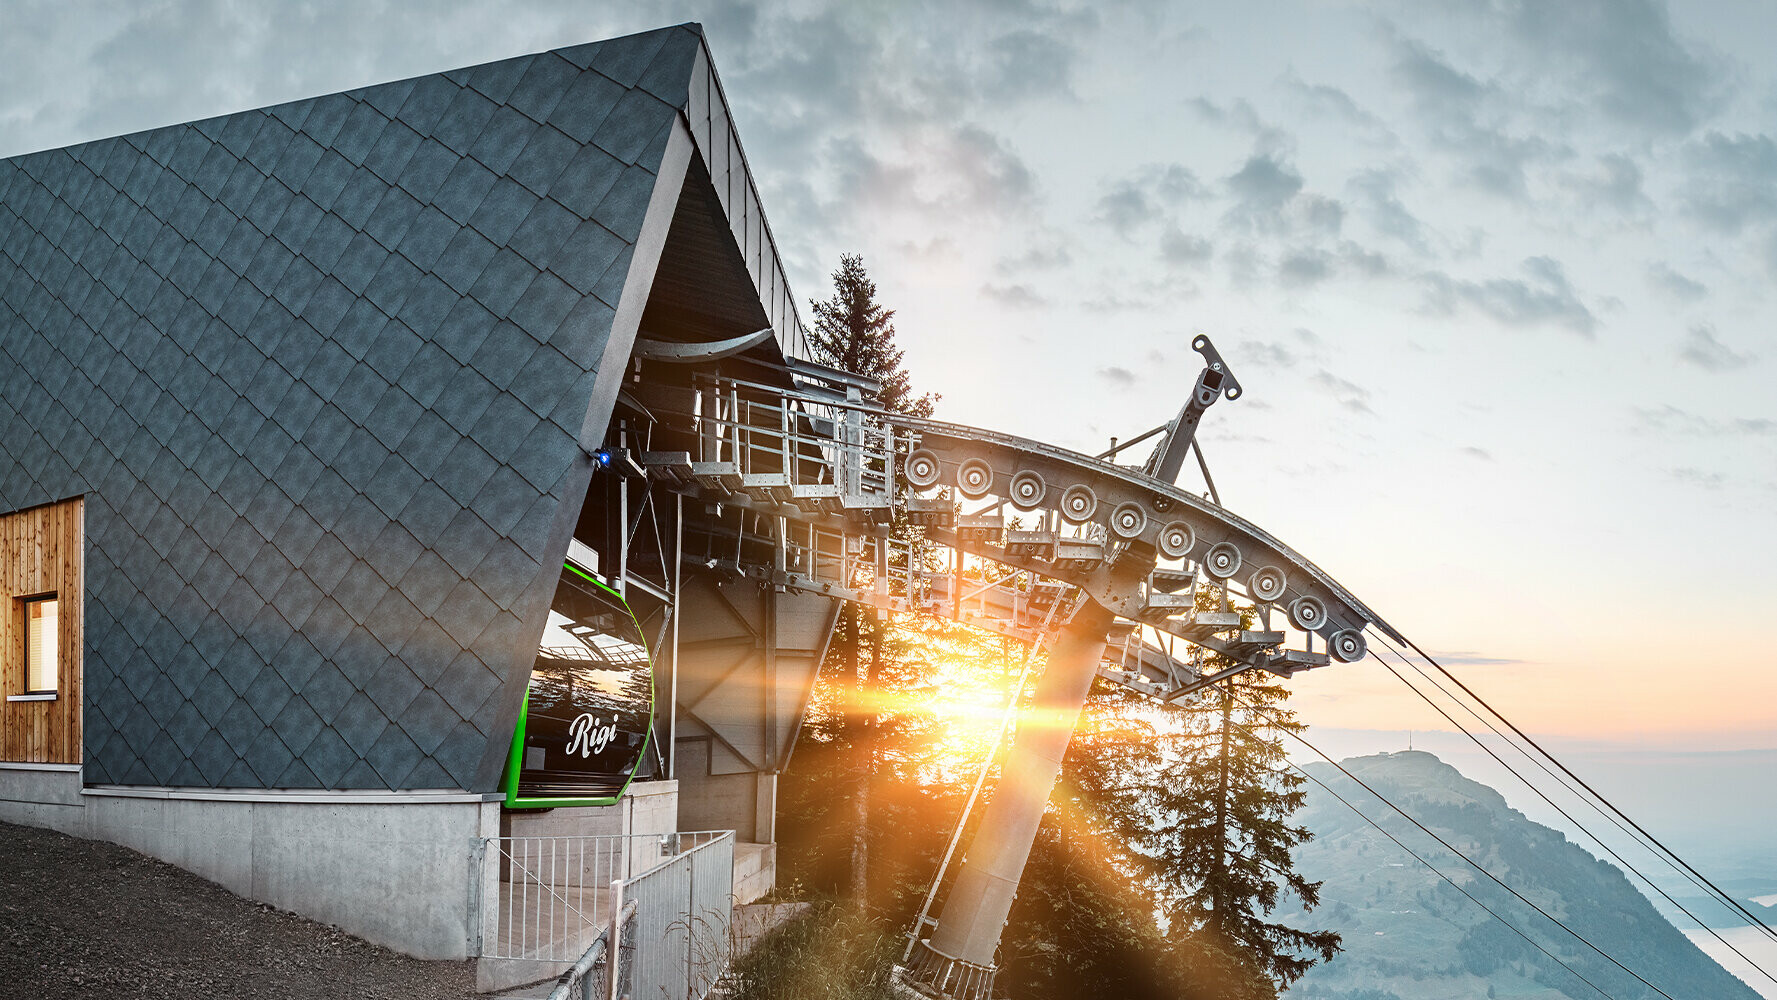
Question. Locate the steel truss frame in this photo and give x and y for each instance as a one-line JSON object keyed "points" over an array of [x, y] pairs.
{"points": [[837, 497]]}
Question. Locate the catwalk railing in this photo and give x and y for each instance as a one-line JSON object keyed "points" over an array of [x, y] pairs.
{"points": [[814, 492]]}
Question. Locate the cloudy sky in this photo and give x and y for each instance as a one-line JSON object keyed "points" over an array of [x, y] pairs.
{"points": [[1496, 276]]}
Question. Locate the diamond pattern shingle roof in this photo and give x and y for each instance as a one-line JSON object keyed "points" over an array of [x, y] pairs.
{"points": [[320, 370]]}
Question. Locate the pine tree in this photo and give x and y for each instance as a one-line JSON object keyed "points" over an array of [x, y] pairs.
{"points": [[1222, 846], [854, 333]]}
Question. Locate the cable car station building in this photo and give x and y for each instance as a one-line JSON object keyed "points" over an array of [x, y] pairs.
{"points": [[299, 417], [352, 450]]}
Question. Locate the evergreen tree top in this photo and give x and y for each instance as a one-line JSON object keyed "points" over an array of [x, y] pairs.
{"points": [[855, 333]]}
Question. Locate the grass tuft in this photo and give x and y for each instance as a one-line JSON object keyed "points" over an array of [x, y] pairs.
{"points": [[829, 953]]}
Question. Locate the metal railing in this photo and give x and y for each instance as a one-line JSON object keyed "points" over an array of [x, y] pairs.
{"points": [[674, 941], [547, 899], [590, 977]]}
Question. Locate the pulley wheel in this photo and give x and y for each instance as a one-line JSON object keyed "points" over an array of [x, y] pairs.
{"points": [[1222, 561], [1128, 520], [1176, 540], [1307, 613], [1266, 584], [974, 478], [1347, 645], [1027, 490], [1078, 503], [922, 469]]}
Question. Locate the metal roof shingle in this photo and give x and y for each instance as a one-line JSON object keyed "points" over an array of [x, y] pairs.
{"points": [[257, 246]]}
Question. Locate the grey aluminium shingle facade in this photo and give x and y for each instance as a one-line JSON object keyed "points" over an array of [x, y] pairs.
{"points": [[326, 374]]}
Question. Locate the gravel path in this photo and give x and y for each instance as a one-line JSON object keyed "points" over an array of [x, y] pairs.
{"points": [[80, 918]]}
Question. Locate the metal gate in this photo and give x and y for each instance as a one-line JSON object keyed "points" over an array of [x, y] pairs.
{"points": [[659, 907]]}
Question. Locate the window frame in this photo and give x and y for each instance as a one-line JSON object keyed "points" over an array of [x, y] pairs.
{"points": [[25, 603]]}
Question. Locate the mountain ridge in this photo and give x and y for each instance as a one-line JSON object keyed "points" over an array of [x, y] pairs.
{"points": [[1409, 935]]}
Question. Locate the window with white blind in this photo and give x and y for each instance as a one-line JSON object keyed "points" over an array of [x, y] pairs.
{"points": [[42, 642]]}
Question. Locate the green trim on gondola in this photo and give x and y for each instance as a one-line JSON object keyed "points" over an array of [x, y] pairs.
{"points": [[515, 756]]}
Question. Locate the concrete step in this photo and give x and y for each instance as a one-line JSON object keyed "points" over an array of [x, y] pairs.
{"points": [[755, 871]]}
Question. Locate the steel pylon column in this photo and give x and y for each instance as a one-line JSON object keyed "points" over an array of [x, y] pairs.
{"points": [[958, 960]]}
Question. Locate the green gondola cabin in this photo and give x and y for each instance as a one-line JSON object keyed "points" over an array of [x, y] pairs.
{"points": [[583, 731]]}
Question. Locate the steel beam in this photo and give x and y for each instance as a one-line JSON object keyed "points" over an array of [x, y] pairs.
{"points": [[968, 928]]}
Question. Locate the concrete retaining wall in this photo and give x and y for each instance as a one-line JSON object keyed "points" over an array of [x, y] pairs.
{"points": [[393, 868], [396, 868]]}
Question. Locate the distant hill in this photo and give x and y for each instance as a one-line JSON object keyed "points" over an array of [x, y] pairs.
{"points": [[1410, 936]]}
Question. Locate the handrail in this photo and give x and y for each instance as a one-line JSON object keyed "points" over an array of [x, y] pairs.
{"points": [[599, 952]]}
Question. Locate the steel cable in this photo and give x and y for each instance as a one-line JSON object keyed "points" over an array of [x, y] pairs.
{"points": [[1551, 803], [1746, 914], [1452, 849]]}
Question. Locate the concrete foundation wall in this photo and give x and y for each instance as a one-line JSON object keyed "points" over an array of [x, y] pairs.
{"points": [[745, 803], [393, 868], [648, 811]]}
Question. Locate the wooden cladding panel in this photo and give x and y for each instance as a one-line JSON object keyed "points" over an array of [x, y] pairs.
{"points": [[41, 553]]}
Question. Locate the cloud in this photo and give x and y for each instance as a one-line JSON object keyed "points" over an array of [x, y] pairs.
{"points": [[1300, 268], [1147, 195], [1383, 210], [938, 248], [1545, 297], [1661, 275], [875, 128], [1698, 477], [836, 70], [1624, 57], [1468, 117], [1474, 452], [799, 80], [1124, 208], [986, 166], [1036, 258], [1025, 64], [1359, 260], [1576, 67], [1350, 395], [1267, 354], [1304, 266], [1117, 376], [1435, 85], [941, 172], [1029, 54], [1669, 419], [1617, 186], [1469, 658], [1322, 214], [1238, 114], [1323, 101], [1701, 348], [1267, 196], [1730, 181], [1179, 247], [1126, 293], [1017, 296], [1263, 185]]}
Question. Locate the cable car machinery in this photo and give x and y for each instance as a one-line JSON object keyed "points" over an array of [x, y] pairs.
{"points": [[810, 486]]}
